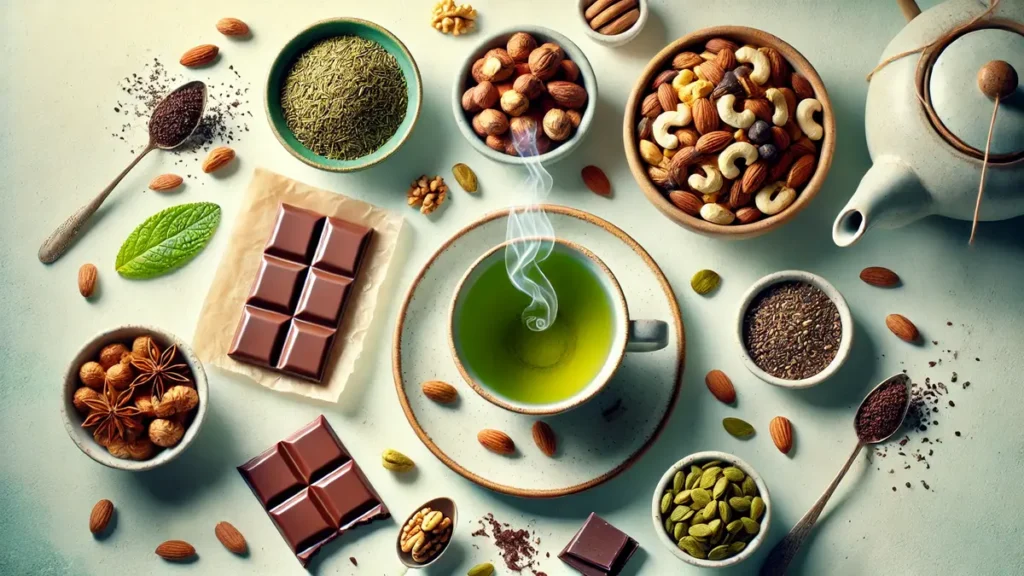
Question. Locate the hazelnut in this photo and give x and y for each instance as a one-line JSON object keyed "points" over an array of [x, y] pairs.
{"points": [[146, 405], [165, 433], [554, 48], [177, 400], [514, 103], [145, 347], [118, 448], [498, 143], [476, 72], [493, 122], [528, 85], [574, 117], [543, 144], [92, 375], [510, 148], [520, 69], [467, 101], [569, 70], [557, 125], [502, 88], [81, 395], [141, 448], [520, 45], [523, 127], [478, 127], [545, 61], [497, 66], [111, 354], [100, 439], [485, 95], [120, 376]]}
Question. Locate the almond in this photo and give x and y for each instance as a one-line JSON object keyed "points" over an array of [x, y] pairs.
{"points": [[165, 182], [760, 107], [878, 276], [782, 165], [737, 197], [801, 86], [714, 141], [567, 94], [199, 56], [790, 97], [666, 77], [660, 177], [780, 68], [687, 202], [782, 433], [903, 328], [679, 164], [720, 386], [232, 27], [705, 117], [496, 441], [544, 437], [218, 158], [801, 171], [716, 45], [780, 138], [651, 106], [710, 70], [441, 392], [668, 97], [596, 180], [687, 137], [726, 59], [804, 145], [101, 513], [230, 537], [86, 287], [685, 60], [175, 550], [754, 176], [748, 214]]}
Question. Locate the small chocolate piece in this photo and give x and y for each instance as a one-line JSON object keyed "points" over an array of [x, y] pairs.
{"points": [[299, 293], [598, 549], [312, 489]]}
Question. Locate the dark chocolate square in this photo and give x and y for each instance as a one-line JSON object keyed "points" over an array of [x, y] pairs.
{"points": [[306, 349], [295, 233], [277, 284], [598, 548], [259, 336], [341, 247], [345, 495], [271, 477], [314, 450], [301, 522], [323, 298]]}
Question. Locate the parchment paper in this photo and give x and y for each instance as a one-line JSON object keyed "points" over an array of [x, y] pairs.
{"points": [[223, 307]]}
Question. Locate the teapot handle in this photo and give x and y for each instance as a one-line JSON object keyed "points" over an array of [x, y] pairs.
{"points": [[910, 9]]}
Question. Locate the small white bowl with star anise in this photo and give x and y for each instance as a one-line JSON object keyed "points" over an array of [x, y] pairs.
{"points": [[134, 397]]}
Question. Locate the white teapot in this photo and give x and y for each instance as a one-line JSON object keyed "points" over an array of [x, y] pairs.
{"points": [[928, 154]]}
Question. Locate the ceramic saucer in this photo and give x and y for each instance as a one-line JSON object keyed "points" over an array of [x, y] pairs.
{"points": [[596, 441]]}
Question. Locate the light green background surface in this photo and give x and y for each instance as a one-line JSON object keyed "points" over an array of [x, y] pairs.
{"points": [[60, 66]]}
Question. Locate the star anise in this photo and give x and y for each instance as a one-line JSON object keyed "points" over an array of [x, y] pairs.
{"points": [[158, 371], [110, 413]]}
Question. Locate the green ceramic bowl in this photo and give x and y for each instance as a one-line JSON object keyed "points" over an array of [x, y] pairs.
{"points": [[329, 29]]}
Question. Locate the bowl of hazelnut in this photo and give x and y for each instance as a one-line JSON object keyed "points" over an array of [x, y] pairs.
{"points": [[528, 91], [134, 397], [729, 132]]}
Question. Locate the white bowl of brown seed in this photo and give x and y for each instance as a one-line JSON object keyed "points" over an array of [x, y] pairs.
{"points": [[107, 400], [794, 329]]}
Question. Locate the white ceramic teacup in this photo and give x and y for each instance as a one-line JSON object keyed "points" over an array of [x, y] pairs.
{"points": [[626, 335]]}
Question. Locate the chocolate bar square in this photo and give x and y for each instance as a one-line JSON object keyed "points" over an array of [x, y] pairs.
{"points": [[306, 349], [598, 548], [277, 284], [295, 234], [322, 298], [301, 522], [341, 247], [259, 336]]}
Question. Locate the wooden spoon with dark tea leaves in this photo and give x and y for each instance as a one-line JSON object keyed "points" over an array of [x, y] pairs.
{"points": [[880, 415], [174, 119]]}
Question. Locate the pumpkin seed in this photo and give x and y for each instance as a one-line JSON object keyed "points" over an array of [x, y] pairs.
{"points": [[693, 477], [749, 487], [707, 480], [737, 547], [666, 503], [740, 504], [750, 526], [700, 496], [711, 464], [669, 524], [682, 498], [704, 281], [719, 553], [703, 530], [465, 176], [696, 506], [698, 518], [724, 512], [736, 490], [756, 508], [738, 428], [689, 514], [715, 526], [677, 482], [734, 474], [692, 547], [677, 513], [720, 487], [677, 531], [710, 510], [735, 526]]}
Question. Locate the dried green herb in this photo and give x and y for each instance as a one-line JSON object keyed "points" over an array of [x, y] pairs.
{"points": [[738, 428], [344, 97]]}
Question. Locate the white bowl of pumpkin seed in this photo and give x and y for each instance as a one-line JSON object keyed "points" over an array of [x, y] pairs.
{"points": [[711, 509]]}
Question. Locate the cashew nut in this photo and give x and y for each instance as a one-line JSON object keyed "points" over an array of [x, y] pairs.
{"points": [[716, 214], [682, 79], [730, 116], [706, 184], [727, 159], [778, 99], [694, 90], [668, 120], [759, 61], [805, 118], [774, 198]]}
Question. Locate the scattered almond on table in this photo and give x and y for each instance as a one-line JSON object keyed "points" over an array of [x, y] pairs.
{"points": [[720, 386], [440, 392], [100, 516], [218, 158], [902, 327], [165, 182], [87, 275], [175, 550], [781, 430], [199, 56], [230, 537], [596, 181], [879, 276], [544, 437], [496, 441], [232, 27]]}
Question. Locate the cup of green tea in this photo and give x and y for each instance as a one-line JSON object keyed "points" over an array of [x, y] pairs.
{"points": [[530, 371]]}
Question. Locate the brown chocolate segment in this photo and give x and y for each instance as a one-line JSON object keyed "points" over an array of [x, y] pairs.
{"points": [[312, 489], [300, 291], [598, 548]]}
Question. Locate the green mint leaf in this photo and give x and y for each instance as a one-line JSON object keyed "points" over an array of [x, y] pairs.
{"points": [[167, 240]]}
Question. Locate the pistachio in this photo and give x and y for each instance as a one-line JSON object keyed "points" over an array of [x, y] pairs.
{"points": [[740, 504], [711, 464], [396, 461], [678, 530], [719, 553], [669, 525], [465, 176], [703, 530], [681, 498], [734, 474], [707, 480], [749, 486], [737, 547], [693, 477], [691, 546], [666, 502], [677, 481], [720, 487], [724, 512], [485, 569], [756, 508], [750, 526], [710, 510], [677, 513], [715, 526], [700, 496], [734, 527]]}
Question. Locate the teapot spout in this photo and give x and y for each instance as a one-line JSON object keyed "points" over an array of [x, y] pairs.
{"points": [[890, 195]]}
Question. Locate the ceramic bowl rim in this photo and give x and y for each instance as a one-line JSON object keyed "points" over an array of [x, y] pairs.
{"points": [[499, 39], [638, 167], [614, 39], [666, 479], [84, 440], [845, 341], [611, 365], [278, 62], [447, 545]]}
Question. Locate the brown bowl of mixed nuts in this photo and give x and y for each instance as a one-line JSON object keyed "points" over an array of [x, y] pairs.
{"points": [[729, 131]]}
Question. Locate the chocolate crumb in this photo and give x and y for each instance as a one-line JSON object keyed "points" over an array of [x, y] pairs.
{"points": [[352, 559], [957, 433]]}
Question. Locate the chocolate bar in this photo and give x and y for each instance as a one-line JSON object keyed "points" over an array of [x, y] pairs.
{"points": [[598, 549], [290, 320], [312, 489]]}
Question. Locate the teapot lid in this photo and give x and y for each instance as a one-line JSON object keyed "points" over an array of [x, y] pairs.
{"points": [[959, 106]]}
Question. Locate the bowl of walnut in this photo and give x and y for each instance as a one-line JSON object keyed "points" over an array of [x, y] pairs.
{"points": [[729, 132], [134, 397], [528, 91]]}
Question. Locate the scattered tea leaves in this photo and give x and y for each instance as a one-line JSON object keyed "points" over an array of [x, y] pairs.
{"points": [[738, 428]]}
